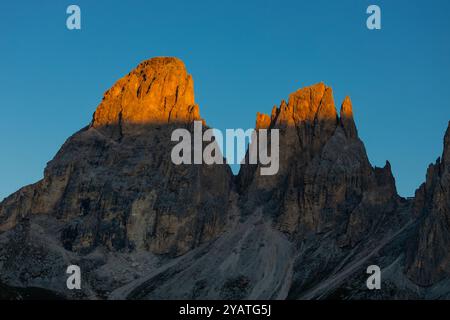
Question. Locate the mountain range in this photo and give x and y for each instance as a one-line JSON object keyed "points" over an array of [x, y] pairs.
{"points": [[140, 227]]}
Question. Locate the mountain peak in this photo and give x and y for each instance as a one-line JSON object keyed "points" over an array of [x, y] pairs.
{"points": [[262, 121], [163, 62], [312, 102], [158, 90], [446, 154], [347, 121], [346, 108]]}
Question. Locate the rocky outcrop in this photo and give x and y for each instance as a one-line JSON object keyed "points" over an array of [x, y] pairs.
{"points": [[346, 119], [140, 227], [157, 91], [113, 184], [325, 181], [326, 197], [429, 255]]}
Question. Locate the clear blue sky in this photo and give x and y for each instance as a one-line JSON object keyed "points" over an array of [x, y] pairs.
{"points": [[245, 56]]}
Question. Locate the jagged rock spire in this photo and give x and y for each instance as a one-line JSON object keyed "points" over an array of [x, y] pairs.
{"points": [[262, 121], [308, 104], [446, 153], [347, 121]]}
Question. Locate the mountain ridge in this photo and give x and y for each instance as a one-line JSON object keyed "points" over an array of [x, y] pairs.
{"points": [[141, 227]]}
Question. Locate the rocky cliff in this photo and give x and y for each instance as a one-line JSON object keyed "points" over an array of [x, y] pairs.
{"points": [[113, 185], [430, 252], [112, 202], [325, 181]]}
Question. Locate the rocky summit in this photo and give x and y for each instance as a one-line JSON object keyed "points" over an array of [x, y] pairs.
{"points": [[140, 227]]}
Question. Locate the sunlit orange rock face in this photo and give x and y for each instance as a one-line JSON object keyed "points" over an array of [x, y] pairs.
{"points": [[312, 111], [157, 91], [308, 104], [262, 121], [346, 117]]}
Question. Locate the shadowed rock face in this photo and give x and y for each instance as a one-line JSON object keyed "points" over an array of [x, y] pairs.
{"points": [[430, 253], [325, 181], [140, 227], [113, 183]]}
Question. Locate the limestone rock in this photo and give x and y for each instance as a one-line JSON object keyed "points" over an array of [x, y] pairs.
{"points": [[262, 121], [113, 184], [158, 91], [347, 121], [140, 227], [429, 253], [325, 178]]}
